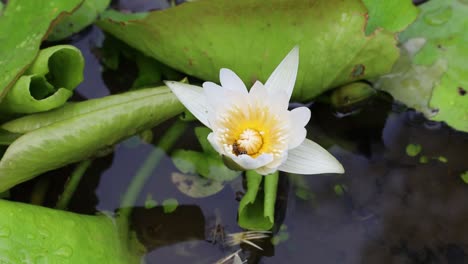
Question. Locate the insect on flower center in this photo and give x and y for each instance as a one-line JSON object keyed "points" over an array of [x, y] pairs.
{"points": [[250, 142]]}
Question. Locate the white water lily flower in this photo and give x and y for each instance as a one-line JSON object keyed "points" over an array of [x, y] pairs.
{"points": [[255, 129]]}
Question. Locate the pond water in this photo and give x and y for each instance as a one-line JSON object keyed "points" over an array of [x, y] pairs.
{"points": [[388, 207]]}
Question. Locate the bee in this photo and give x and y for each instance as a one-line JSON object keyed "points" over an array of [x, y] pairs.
{"points": [[238, 150]]}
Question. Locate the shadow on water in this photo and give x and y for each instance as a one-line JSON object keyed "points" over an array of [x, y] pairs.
{"points": [[387, 208]]}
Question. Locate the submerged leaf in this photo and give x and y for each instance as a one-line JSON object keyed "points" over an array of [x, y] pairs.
{"points": [[53, 236], [77, 131], [23, 25], [243, 36], [196, 186]]}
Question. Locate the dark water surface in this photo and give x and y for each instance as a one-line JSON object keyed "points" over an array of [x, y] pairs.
{"points": [[387, 208]]}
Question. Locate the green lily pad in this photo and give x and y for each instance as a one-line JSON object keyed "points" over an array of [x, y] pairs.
{"points": [[29, 232], [80, 130], [252, 37], [441, 29], [81, 18], [23, 26], [393, 15]]}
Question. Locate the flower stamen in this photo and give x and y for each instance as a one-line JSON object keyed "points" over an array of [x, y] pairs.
{"points": [[250, 142]]}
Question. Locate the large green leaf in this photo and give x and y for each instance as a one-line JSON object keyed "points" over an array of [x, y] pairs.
{"points": [[393, 15], [251, 37], [257, 207], [83, 17], [48, 82], [77, 131], [438, 85], [23, 25], [33, 234]]}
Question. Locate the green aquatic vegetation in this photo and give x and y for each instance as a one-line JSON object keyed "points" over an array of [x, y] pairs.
{"points": [[438, 82], [334, 48], [423, 159], [442, 159], [207, 163], [78, 131], [257, 207], [195, 186], [281, 236], [339, 189], [413, 150], [464, 177], [351, 95], [169, 205], [20, 40], [54, 236], [393, 16], [150, 202], [47, 83], [81, 18]]}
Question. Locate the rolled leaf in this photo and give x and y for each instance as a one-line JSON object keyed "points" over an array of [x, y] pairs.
{"points": [[48, 82], [77, 131], [252, 37], [53, 236], [257, 207], [81, 18], [23, 26]]}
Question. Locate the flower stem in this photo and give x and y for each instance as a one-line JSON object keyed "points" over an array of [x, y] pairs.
{"points": [[72, 184]]}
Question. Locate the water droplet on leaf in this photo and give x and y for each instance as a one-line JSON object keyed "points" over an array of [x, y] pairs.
{"points": [[64, 251], [5, 231]]}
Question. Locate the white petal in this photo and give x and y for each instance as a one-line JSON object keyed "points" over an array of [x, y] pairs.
{"points": [[279, 99], [215, 95], [211, 87], [258, 94], [212, 139], [265, 170], [300, 116], [193, 98], [249, 163], [296, 137], [231, 81], [310, 158], [284, 76]]}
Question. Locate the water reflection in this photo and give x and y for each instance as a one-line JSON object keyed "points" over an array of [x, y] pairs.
{"points": [[156, 229]]}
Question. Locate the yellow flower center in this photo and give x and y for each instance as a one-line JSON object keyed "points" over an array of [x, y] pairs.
{"points": [[252, 130], [250, 142]]}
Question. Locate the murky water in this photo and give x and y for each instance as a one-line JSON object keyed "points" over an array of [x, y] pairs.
{"points": [[387, 208]]}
